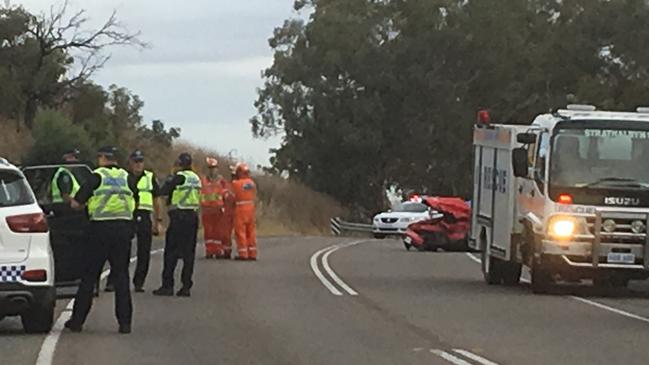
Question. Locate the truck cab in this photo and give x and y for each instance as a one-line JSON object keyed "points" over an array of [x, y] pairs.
{"points": [[579, 193]]}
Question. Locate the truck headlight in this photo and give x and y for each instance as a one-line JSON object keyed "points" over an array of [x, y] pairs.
{"points": [[638, 227], [563, 227]]}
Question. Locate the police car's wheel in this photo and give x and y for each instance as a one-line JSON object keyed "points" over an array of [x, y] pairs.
{"points": [[39, 319]]}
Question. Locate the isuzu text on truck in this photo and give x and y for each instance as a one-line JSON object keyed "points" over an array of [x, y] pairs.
{"points": [[567, 196]]}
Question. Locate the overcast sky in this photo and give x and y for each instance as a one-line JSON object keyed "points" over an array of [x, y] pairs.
{"points": [[203, 68]]}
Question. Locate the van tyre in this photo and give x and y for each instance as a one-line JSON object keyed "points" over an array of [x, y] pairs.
{"points": [[491, 269], [542, 280], [511, 273], [612, 282], [39, 318]]}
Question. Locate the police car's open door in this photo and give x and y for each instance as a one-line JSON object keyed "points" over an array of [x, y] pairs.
{"points": [[67, 226]]}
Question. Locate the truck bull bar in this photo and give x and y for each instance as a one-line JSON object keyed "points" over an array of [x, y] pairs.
{"points": [[597, 235]]}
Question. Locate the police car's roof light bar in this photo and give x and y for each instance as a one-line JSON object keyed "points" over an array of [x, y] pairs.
{"points": [[582, 107]]}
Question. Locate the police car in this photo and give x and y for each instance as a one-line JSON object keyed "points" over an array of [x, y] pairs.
{"points": [[395, 222], [26, 260]]}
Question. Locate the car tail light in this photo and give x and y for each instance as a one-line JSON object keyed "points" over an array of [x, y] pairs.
{"points": [[34, 275], [28, 223]]}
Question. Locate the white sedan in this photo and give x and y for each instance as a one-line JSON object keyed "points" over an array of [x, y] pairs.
{"points": [[395, 222]]}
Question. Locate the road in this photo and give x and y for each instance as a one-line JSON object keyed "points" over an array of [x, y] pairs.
{"points": [[344, 301]]}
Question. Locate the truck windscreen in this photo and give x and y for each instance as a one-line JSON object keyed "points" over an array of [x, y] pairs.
{"points": [[600, 157]]}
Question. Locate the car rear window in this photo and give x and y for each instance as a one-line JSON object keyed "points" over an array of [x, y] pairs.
{"points": [[14, 190]]}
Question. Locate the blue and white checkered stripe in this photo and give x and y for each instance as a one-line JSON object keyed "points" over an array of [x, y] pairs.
{"points": [[11, 273]]}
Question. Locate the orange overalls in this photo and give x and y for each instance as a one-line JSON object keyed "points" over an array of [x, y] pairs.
{"points": [[212, 211], [245, 193]]}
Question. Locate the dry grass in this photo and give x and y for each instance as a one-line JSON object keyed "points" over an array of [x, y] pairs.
{"points": [[284, 208], [287, 207]]}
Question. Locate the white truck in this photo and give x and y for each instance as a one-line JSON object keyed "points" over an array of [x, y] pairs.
{"points": [[567, 196]]}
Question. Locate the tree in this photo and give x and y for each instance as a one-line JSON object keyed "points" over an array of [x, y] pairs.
{"points": [[54, 134], [40, 52], [370, 94]]}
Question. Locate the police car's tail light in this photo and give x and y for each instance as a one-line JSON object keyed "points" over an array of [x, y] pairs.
{"points": [[28, 223], [34, 275]]}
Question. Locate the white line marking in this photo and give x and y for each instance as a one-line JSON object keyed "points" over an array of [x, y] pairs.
{"points": [[589, 302], [46, 354], [332, 274], [474, 258], [474, 357], [318, 273], [450, 358], [610, 309]]}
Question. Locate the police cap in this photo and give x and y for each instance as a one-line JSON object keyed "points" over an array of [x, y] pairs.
{"points": [[137, 156], [184, 160], [107, 151]]}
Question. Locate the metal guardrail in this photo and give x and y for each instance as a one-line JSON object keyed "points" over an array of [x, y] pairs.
{"points": [[339, 227]]}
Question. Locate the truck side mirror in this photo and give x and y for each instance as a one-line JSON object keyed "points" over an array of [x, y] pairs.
{"points": [[526, 138], [519, 162]]}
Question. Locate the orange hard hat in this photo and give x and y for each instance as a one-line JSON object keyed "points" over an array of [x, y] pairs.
{"points": [[242, 168], [211, 162]]}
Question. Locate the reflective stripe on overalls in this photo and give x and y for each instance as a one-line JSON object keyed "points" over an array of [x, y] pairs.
{"points": [[113, 199], [188, 195], [145, 191]]}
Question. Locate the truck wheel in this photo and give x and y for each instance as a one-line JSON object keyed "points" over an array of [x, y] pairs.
{"points": [[619, 282], [604, 282], [511, 273], [491, 269], [541, 279], [39, 318]]}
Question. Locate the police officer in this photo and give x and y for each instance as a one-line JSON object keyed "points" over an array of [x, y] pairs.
{"points": [[147, 208], [110, 195], [183, 192], [64, 184]]}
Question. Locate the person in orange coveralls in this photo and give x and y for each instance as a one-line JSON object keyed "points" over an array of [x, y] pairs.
{"points": [[245, 193], [217, 242]]}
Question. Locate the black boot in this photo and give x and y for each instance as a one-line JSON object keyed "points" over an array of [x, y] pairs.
{"points": [[164, 292]]}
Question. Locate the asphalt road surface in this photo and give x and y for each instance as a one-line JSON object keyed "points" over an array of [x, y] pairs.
{"points": [[345, 301]]}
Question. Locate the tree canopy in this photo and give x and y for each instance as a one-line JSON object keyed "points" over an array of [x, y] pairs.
{"points": [[370, 94], [46, 64]]}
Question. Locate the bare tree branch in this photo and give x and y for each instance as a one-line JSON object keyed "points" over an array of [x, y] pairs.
{"points": [[60, 37]]}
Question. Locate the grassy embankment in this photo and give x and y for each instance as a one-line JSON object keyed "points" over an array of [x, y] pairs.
{"points": [[284, 207]]}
